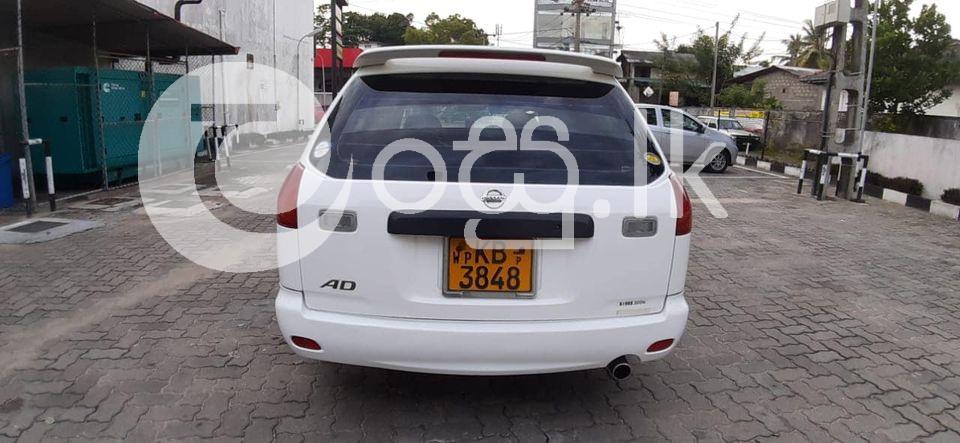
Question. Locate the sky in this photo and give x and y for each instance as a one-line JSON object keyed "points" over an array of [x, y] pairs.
{"points": [[642, 20]]}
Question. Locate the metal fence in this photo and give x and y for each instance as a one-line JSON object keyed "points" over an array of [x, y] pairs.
{"points": [[95, 118], [783, 130], [91, 107]]}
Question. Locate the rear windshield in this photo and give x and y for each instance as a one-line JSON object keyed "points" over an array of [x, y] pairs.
{"points": [[440, 109]]}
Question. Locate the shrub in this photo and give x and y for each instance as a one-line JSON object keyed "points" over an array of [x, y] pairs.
{"points": [[902, 184], [894, 124], [951, 196]]}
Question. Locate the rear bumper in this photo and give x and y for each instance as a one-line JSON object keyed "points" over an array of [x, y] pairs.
{"points": [[477, 347]]}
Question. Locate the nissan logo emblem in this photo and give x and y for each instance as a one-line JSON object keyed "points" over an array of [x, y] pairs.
{"points": [[493, 199]]}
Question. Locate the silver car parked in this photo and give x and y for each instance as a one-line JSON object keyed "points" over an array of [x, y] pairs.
{"points": [[700, 143], [732, 127]]}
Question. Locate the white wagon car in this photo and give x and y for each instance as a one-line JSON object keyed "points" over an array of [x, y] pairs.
{"points": [[376, 281]]}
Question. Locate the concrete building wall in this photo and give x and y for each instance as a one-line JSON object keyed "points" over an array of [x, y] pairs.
{"points": [[793, 94], [932, 161], [269, 31]]}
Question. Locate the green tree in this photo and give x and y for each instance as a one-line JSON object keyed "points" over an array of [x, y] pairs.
{"points": [[386, 30], [794, 45], [321, 20], [807, 49], [693, 80], [678, 73], [754, 97], [915, 59], [453, 30]]}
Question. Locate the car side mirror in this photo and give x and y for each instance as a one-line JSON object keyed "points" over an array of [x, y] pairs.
{"points": [[701, 129]]}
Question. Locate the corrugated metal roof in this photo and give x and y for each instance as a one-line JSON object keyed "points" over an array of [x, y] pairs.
{"points": [[122, 26], [793, 70], [651, 58]]}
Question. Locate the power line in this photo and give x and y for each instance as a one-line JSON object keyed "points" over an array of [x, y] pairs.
{"points": [[761, 23], [712, 15]]}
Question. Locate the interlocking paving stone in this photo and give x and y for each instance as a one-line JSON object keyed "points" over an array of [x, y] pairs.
{"points": [[810, 321]]}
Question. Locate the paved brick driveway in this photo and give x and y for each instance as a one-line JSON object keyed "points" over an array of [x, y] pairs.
{"points": [[810, 321]]}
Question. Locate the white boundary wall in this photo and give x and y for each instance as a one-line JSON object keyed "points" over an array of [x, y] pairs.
{"points": [[935, 162]]}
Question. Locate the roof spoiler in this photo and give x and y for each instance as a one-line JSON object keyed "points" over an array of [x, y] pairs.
{"points": [[380, 56]]}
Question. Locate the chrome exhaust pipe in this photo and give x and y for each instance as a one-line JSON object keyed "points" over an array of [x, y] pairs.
{"points": [[619, 369]]}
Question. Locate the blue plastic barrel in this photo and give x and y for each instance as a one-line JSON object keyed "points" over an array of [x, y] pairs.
{"points": [[6, 181]]}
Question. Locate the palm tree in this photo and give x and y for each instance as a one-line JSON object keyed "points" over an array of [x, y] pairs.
{"points": [[794, 45], [808, 49]]}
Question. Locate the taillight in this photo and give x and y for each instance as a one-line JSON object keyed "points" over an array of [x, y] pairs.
{"points": [[684, 207], [287, 201]]}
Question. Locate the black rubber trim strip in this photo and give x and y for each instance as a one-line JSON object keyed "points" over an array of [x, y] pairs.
{"points": [[507, 225]]}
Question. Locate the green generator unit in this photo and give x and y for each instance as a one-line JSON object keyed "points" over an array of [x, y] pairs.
{"points": [[62, 110]]}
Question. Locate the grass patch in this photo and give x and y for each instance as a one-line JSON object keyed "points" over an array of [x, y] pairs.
{"points": [[792, 156]]}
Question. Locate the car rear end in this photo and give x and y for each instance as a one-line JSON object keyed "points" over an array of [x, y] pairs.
{"points": [[744, 138], [377, 268]]}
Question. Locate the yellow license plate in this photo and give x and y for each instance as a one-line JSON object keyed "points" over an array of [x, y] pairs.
{"points": [[493, 268]]}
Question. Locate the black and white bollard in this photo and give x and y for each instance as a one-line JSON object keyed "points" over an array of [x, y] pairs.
{"points": [[225, 144], [862, 177], [51, 189], [803, 175], [25, 180], [824, 176]]}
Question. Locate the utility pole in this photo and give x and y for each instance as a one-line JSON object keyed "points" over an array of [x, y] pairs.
{"points": [[336, 44], [26, 161], [663, 69], [576, 37], [617, 38], [865, 101], [716, 60], [577, 8], [498, 30], [846, 80]]}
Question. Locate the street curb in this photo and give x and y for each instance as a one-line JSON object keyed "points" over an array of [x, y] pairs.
{"points": [[935, 207], [770, 166]]}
